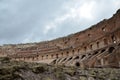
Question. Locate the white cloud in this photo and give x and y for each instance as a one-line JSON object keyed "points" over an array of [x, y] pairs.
{"points": [[30, 21], [48, 28], [75, 13], [85, 10], [53, 24], [117, 3]]}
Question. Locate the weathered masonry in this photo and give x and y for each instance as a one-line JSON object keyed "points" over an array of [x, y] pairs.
{"points": [[97, 46]]}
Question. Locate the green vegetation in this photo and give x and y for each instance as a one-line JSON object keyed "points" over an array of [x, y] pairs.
{"points": [[14, 70]]}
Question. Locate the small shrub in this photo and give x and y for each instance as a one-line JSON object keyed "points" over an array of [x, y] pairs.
{"points": [[5, 60], [38, 69]]}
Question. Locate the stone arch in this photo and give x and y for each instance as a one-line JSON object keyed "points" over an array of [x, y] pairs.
{"points": [[77, 39], [77, 64], [59, 60], [89, 54], [57, 56], [67, 53], [70, 58], [95, 52], [64, 59], [91, 46], [37, 56], [46, 56], [83, 56], [89, 35], [102, 50], [105, 42], [73, 52], [77, 57], [98, 44], [65, 42], [110, 50], [62, 54], [113, 39], [54, 61], [103, 29], [78, 51], [52, 56], [85, 48]]}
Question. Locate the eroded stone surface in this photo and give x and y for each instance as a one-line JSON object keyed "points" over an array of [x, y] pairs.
{"points": [[13, 70], [97, 46]]}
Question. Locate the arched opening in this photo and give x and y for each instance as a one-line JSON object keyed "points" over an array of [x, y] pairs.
{"points": [[102, 50], [78, 51], [119, 44], [77, 57], [91, 46], [111, 49], [62, 54], [57, 56], [67, 53], [95, 52], [113, 39], [37, 56], [77, 64], [51, 56], [89, 54], [54, 61], [76, 39], [46, 56], [82, 56], [64, 59], [97, 44], [66, 42], [105, 42], [73, 52], [89, 35], [85, 49], [69, 58], [58, 60], [103, 29]]}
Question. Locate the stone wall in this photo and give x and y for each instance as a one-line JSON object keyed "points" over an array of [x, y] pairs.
{"points": [[97, 46]]}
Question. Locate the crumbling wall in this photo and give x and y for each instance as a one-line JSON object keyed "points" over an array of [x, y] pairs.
{"points": [[88, 48]]}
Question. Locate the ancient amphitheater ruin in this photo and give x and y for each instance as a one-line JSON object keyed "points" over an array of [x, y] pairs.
{"points": [[97, 46]]}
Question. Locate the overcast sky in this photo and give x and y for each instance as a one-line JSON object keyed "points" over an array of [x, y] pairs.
{"points": [[24, 21]]}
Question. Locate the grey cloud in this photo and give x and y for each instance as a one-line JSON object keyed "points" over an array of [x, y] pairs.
{"points": [[18, 19], [25, 20]]}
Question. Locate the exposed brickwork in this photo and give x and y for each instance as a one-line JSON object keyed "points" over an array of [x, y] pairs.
{"points": [[97, 46]]}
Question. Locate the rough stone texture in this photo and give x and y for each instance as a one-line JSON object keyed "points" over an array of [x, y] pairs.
{"points": [[13, 70], [97, 46]]}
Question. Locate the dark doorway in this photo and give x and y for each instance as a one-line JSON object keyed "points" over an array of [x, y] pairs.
{"points": [[77, 64], [77, 57], [102, 50], [111, 49], [82, 56], [69, 58]]}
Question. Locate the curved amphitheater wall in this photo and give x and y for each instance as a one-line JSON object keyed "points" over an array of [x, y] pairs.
{"points": [[74, 49]]}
